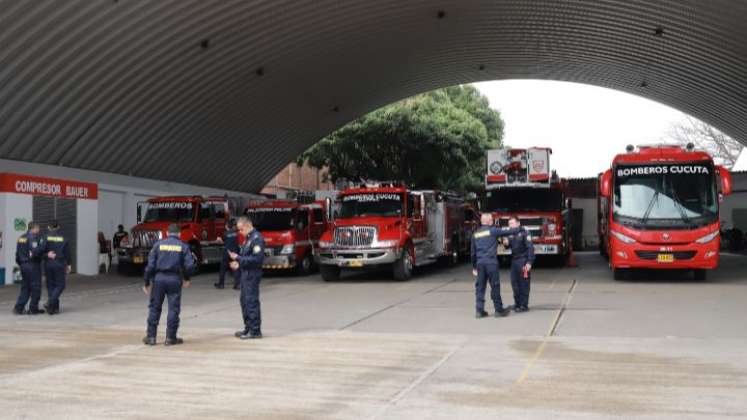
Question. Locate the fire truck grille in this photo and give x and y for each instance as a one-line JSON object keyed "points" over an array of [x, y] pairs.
{"points": [[652, 255], [525, 221], [144, 238], [354, 236]]}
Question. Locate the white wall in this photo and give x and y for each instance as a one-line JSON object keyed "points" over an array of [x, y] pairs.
{"points": [[115, 191], [12, 206], [589, 205], [87, 249]]}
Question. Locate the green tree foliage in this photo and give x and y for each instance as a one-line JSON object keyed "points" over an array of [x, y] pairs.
{"points": [[433, 140]]}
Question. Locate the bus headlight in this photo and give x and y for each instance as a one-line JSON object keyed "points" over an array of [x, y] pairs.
{"points": [[708, 238], [624, 238]]}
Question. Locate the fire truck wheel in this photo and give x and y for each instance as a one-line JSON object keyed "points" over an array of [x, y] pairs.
{"points": [[621, 274], [402, 269], [126, 269], [700, 275], [196, 256], [306, 266], [330, 272]]}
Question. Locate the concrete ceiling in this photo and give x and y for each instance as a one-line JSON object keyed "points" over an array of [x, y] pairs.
{"points": [[224, 93]]}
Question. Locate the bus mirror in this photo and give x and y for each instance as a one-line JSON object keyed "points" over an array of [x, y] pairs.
{"points": [[726, 182], [605, 184]]}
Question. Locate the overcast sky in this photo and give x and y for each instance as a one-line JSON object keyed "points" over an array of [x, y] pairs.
{"points": [[585, 125]]}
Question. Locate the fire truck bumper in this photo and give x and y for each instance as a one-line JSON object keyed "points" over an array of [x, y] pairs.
{"points": [[134, 256], [356, 258], [690, 256], [539, 249], [279, 262]]}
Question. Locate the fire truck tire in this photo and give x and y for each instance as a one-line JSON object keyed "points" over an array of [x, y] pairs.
{"points": [[621, 273], [305, 266], [330, 272], [402, 270], [195, 250], [700, 275], [126, 269]]}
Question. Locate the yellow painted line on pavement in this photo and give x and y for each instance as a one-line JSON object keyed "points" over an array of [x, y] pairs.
{"points": [[550, 332]]}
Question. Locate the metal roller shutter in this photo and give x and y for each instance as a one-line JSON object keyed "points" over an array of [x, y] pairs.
{"points": [[65, 211]]}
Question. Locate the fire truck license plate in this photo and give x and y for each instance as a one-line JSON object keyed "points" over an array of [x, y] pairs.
{"points": [[355, 263], [137, 259], [665, 258]]}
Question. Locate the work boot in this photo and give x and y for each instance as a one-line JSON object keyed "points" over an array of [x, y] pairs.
{"points": [[218, 285], [251, 336], [173, 341], [149, 341], [519, 309], [502, 313], [481, 314], [239, 334], [17, 311], [36, 311]]}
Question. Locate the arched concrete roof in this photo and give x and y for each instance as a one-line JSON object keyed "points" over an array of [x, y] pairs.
{"points": [[224, 93]]}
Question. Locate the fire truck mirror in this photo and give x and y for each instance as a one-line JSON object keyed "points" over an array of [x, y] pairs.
{"points": [[605, 185], [139, 212], [569, 203]]}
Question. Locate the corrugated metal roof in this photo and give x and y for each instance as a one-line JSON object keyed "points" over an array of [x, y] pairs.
{"points": [[224, 93]]}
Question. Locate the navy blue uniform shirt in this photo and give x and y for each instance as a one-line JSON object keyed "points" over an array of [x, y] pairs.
{"points": [[252, 253], [521, 246], [28, 249], [55, 242], [170, 256], [231, 240], [485, 244]]}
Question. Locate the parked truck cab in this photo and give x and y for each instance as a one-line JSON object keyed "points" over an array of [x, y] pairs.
{"points": [[389, 225], [291, 231]]}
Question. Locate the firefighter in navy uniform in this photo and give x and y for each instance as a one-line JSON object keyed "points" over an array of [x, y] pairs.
{"points": [[230, 244], [249, 262], [485, 265], [29, 249], [170, 264], [57, 266], [522, 258]]}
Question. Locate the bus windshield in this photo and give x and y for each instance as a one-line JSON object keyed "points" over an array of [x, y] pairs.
{"points": [[169, 211], [524, 199], [272, 218], [371, 205], [672, 195]]}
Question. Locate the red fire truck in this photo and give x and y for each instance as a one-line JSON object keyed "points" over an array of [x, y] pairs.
{"points": [[389, 224], [520, 183], [659, 208], [202, 221], [291, 231]]}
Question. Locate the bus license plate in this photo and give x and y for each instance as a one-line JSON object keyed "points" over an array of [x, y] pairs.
{"points": [[665, 258], [137, 259]]}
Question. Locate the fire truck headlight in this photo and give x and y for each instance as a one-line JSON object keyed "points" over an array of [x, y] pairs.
{"points": [[708, 238], [624, 238], [159, 235], [325, 244], [552, 229], [288, 249], [385, 244]]}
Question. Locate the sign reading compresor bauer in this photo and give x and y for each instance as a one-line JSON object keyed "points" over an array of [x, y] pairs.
{"points": [[36, 185]]}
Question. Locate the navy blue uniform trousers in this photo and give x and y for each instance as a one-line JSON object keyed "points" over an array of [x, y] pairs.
{"points": [[488, 273], [519, 284], [55, 271], [31, 284], [169, 287], [250, 306]]}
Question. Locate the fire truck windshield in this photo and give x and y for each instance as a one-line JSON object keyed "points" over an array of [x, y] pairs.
{"points": [[371, 205], [524, 199], [272, 218], [672, 195], [169, 211]]}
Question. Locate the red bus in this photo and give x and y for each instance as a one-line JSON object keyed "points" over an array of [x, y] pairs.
{"points": [[659, 209]]}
